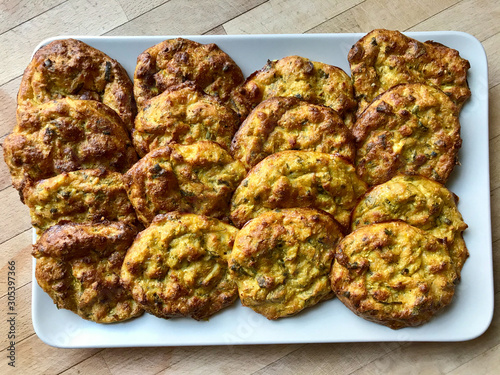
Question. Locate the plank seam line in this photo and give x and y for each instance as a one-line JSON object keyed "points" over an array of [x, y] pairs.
{"points": [[10, 80], [479, 354], [199, 348], [20, 341], [277, 360], [329, 19], [435, 14], [77, 363], [29, 19], [238, 15], [15, 235], [402, 345], [17, 289]]}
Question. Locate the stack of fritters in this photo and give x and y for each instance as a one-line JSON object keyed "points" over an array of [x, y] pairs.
{"points": [[297, 76], [294, 177], [78, 265], [66, 155], [401, 262]]}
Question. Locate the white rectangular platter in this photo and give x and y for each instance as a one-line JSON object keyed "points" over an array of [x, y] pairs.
{"points": [[468, 316]]}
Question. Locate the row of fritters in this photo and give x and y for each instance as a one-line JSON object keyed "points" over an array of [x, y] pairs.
{"points": [[200, 178], [398, 267], [189, 92]]}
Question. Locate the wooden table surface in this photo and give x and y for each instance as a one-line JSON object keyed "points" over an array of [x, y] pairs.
{"points": [[24, 23]]}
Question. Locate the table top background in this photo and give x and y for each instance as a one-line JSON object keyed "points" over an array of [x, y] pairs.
{"points": [[24, 23]]}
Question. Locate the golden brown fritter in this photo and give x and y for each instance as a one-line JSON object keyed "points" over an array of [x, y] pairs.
{"points": [[65, 135], [298, 179], [287, 123], [71, 68], [297, 76], [281, 261], [420, 202], [411, 129], [87, 195], [183, 114], [393, 274], [383, 59], [197, 178], [178, 266], [78, 266], [175, 61]]}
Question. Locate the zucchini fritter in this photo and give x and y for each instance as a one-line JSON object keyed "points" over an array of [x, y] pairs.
{"points": [[71, 68], [87, 195], [383, 59], [175, 61], [420, 202], [183, 114], [298, 179], [393, 274], [178, 266], [411, 128], [65, 135], [197, 178], [281, 261], [78, 266], [279, 124], [315, 82]]}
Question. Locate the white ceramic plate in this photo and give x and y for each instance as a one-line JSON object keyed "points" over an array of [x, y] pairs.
{"points": [[468, 316]]}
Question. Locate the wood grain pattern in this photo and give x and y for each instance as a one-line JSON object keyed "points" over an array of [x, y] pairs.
{"points": [[23, 24]]}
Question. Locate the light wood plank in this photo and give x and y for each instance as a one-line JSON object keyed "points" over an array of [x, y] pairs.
{"points": [[33, 356], [178, 17], [495, 166], [234, 357], [12, 13], [75, 17], [134, 9], [491, 47], [330, 358], [495, 214], [479, 18], [494, 114], [17, 249], [15, 215], [8, 102], [94, 365], [375, 14], [487, 363], [149, 360], [293, 16]]}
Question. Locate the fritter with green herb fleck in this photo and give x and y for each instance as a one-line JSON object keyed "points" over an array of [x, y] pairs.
{"points": [[175, 61], [290, 179], [393, 274], [197, 178], [281, 261], [279, 124], [420, 202], [71, 68], [78, 266], [297, 76], [183, 114], [65, 135], [87, 195], [178, 266], [383, 59], [411, 129]]}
